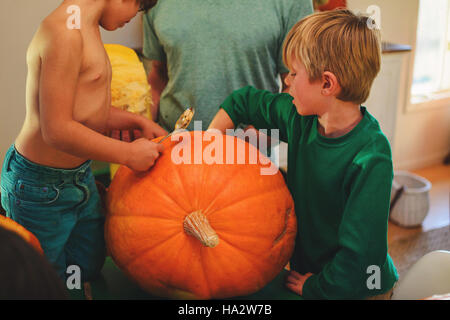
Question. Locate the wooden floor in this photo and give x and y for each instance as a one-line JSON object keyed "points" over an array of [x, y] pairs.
{"points": [[439, 215]]}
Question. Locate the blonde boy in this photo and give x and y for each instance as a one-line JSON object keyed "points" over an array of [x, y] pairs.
{"points": [[339, 162], [47, 184]]}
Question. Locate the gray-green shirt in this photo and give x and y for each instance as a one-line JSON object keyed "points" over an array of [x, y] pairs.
{"points": [[213, 47]]}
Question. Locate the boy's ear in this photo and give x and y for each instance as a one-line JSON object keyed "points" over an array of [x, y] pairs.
{"points": [[330, 84]]}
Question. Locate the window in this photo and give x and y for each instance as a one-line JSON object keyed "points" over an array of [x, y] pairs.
{"points": [[431, 79]]}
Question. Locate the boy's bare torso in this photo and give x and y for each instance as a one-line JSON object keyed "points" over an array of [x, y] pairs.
{"points": [[92, 95]]}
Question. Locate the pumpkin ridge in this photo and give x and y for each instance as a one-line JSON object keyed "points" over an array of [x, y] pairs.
{"points": [[171, 280], [137, 216], [256, 267], [240, 235], [222, 189], [180, 182], [247, 253], [217, 196], [257, 194], [168, 196], [200, 190], [157, 266], [203, 185], [146, 249], [205, 276]]}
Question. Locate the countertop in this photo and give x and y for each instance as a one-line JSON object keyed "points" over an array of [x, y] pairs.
{"points": [[388, 47]]}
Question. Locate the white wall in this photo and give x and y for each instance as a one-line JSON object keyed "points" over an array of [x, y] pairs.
{"points": [[422, 137], [19, 20], [397, 18]]}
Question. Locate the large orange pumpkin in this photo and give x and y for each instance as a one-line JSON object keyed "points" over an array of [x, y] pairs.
{"points": [[10, 224], [200, 231]]}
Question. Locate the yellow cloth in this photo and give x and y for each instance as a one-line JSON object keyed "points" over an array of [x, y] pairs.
{"points": [[129, 87]]}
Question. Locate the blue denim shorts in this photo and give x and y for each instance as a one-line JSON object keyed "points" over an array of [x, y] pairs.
{"points": [[61, 207]]}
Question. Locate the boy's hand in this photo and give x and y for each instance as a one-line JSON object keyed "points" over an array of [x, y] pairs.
{"points": [[295, 281], [143, 154]]}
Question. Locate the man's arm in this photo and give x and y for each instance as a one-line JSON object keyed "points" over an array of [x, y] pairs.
{"points": [[157, 79]]}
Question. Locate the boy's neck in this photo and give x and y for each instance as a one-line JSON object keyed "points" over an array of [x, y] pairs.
{"points": [[91, 10], [339, 119]]}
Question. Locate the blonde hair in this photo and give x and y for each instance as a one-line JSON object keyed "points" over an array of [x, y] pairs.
{"points": [[340, 42]]}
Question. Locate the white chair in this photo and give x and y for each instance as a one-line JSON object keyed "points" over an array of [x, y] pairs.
{"points": [[429, 276]]}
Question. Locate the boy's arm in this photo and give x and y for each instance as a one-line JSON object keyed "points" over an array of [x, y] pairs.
{"points": [[362, 236], [221, 121], [260, 108], [123, 120], [60, 68]]}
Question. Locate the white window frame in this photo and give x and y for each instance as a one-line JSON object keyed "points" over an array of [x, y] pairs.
{"points": [[437, 99]]}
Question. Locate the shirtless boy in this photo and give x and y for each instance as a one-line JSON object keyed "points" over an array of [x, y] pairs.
{"points": [[46, 183]]}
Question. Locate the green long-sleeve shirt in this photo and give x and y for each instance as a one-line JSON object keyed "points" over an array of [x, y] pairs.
{"points": [[341, 189]]}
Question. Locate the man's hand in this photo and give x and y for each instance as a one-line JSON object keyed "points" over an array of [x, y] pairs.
{"points": [[295, 281], [148, 129], [143, 154], [127, 126], [151, 130]]}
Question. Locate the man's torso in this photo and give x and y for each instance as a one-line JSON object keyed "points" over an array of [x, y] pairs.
{"points": [[215, 48]]}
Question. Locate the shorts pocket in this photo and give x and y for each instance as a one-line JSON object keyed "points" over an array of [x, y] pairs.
{"points": [[38, 217], [32, 194]]}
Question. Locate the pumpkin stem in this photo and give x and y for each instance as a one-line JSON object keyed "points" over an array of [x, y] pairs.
{"points": [[196, 225]]}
